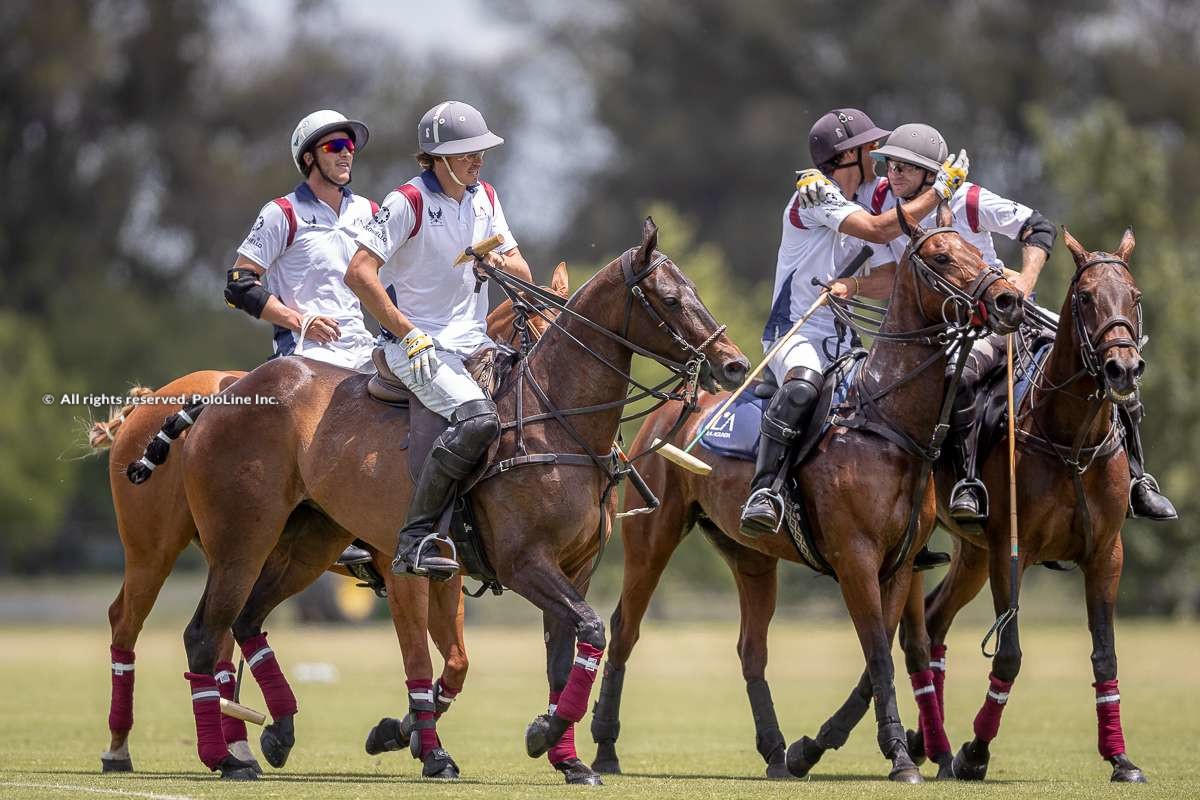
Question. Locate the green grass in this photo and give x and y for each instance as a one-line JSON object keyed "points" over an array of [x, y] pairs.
{"points": [[686, 732]]}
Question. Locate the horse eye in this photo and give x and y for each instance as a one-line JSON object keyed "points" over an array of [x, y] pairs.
{"points": [[1085, 297], [671, 301], [942, 258]]}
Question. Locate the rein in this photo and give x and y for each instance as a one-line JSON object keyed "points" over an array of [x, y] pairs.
{"points": [[953, 337]]}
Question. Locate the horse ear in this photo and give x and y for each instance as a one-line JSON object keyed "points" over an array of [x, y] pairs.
{"points": [[1125, 248], [649, 241], [559, 283], [945, 217], [907, 224], [1073, 245]]}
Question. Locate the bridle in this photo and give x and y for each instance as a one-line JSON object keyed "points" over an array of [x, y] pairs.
{"points": [[1092, 347]]}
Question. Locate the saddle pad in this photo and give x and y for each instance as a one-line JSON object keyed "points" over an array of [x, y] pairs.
{"points": [[735, 435]]}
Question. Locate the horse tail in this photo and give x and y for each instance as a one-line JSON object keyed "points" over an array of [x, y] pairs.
{"points": [[102, 434], [160, 446]]}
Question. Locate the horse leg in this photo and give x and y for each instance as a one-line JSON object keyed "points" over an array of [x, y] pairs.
{"points": [[544, 584], [649, 542], [560, 660], [232, 728], [971, 762], [914, 640], [967, 574], [1101, 575]]}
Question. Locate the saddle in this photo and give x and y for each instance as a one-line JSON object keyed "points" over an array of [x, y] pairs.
{"points": [[491, 367]]}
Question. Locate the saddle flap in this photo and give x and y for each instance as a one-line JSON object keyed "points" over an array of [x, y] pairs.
{"points": [[385, 386]]}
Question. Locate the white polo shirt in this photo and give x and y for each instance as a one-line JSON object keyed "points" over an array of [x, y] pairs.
{"points": [[419, 231], [309, 275], [811, 246], [978, 213]]}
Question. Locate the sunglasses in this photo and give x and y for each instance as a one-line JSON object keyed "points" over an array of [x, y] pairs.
{"points": [[476, 156], [901, 168], [337, 146]]}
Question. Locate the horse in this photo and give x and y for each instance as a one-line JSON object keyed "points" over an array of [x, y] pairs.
{"points": [[1072, 486], [867, 546], [324, 463], [155, 525]]}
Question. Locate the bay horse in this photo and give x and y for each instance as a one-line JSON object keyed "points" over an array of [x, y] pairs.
{"points": [[859, 491], [326, 453], [1072, 495], [155, 524]]}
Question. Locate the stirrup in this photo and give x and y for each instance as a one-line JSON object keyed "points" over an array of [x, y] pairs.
{"points": [[402, 566], [776, 503], [981, 493]]}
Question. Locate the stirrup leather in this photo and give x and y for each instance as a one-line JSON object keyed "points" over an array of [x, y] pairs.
{"points": [[773, 498]]}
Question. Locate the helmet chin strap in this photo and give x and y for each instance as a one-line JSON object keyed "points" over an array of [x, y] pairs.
{"points": [[325, 175], [925, 183], [453, 177]]}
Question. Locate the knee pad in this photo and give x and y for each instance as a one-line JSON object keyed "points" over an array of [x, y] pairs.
{"points": [[474, 426], [800, 389]]}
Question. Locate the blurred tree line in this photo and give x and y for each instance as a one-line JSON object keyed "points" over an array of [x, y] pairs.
{"points": [[138, 145]]}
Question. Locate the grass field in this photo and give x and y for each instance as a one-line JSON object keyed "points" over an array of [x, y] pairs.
{"points": [[687, 730]]}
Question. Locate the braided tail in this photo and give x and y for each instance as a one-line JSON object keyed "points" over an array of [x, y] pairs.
{"points": [[160, 446], [102, 434]]}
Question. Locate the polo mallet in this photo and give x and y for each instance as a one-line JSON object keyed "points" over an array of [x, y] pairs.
{"points": [[477, 251], [244, 713], [683, 457], [1010, 613]]}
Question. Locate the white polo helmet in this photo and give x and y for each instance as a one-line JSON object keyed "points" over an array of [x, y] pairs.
{"points": [[452, 128], [319, 123]]}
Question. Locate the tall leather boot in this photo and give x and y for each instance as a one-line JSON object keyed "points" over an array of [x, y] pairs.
{"points": [[968, 497], [782, 424], [1145, 499], [417, 552]]}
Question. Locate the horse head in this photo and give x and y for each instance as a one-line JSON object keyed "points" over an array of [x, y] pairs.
{"points": [[964, 285], [663, 314], [1105, 306]]}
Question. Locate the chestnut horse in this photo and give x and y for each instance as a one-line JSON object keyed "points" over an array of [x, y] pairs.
{"points": [[155, 525], [332, 461], [1072, 495], [858, 490]]}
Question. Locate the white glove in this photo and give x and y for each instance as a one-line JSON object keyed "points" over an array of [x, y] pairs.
{"points": [[422, 358], [952, 175], [813, 188]]}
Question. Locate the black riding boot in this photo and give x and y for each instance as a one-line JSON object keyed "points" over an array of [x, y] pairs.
{"points": [[1145, 499], [417, 552], [782, 424], [968, 497]]}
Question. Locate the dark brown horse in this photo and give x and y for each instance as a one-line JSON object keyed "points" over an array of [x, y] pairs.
{"points": [[155, 525], [859, 492], [1072, 495], [325, 463]]}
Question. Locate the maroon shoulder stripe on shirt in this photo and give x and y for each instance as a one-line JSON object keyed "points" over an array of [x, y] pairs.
{"points": [[413, 194], [973, 207], [794, 214], [491, 194], [290, 213], [881, 191]]}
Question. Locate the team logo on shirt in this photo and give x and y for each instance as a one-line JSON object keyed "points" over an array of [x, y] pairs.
{"points": [[435, 216], [258, 223], [311, 220], [382, 215]]}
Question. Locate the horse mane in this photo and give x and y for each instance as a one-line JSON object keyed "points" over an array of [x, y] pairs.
{"points": [[101, 435]]}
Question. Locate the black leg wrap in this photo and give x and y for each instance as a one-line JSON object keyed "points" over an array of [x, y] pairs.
{"points": [[160, 446], [836, 730], [438, 765], [768, 739], [891, 737], [606, 712]]}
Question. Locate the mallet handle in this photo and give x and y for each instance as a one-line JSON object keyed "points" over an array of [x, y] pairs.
{"points": [[244, 713], [481, 248]]}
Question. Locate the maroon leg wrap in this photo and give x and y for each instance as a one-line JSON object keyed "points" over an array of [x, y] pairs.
{"points": [[932, 731], [937, 663], [420, 695], [987, 721], [1108, 717], [564, 750], [265, 668], [443, 696], [233, 729], [120, 711], [206, 705], [572, 704]]}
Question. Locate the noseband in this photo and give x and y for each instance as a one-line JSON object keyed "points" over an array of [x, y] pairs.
{"points": [[1091, 346], [965, 302]]}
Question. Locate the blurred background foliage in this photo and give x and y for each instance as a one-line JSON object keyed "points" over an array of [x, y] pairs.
{"points": [[138, 140]]}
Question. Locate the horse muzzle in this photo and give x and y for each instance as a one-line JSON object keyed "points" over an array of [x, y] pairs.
{"points": [[1003, 312], [1122, 377]]}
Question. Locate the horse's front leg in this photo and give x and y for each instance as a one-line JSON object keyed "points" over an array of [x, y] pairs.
{"points": [[1101, 576], [541, 581], [560, 661], [914, 640]]}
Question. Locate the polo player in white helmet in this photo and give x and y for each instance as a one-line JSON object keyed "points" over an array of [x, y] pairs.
{"points": [[403, 272]]}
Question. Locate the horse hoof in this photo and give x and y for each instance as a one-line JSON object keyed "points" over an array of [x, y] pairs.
{"points": [[241, 751], [945, 767], [906, 775], [126, 765], [543, 733], [967, 766], [916, 746], [233, 769], [438, 765], [577, 773], [802, 756], [778, 771], [1125, 771], [277, 741], [606, 761]]}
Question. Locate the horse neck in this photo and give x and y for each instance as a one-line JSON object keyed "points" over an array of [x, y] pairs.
{"points": [[1059, 414], [910, 407], [572, 378]]}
